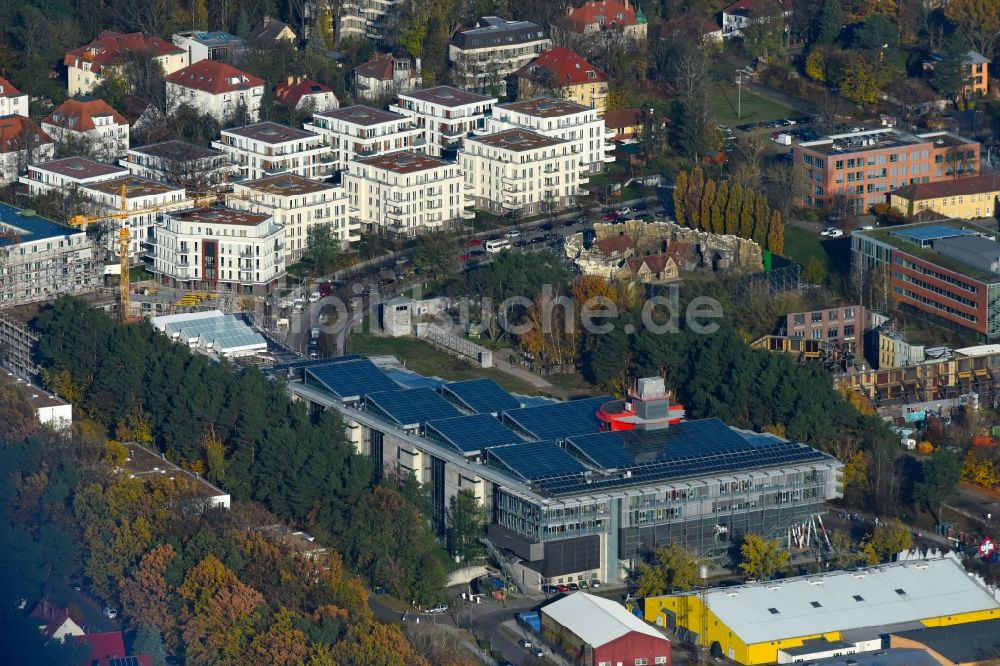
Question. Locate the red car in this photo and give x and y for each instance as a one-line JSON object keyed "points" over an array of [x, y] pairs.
{"points": [[464, 257], [563, 588], [610, 217], [473, 242]]}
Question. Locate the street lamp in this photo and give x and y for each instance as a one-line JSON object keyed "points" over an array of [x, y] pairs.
{"points": [[739, 94]]}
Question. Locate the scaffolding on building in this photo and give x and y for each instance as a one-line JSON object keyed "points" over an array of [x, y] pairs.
{"points": [[17, 347]]}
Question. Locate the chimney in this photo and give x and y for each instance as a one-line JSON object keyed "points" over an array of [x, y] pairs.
{"points": [[267, 19], [290, 80], [417, 63]]}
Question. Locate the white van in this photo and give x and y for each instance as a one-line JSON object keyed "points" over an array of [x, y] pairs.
{"points": [[495, 246]]}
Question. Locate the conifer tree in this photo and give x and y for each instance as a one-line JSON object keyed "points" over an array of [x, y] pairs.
{"points": [[745, 228], [680, 196], [776, 234], [761, 220], [696, 188], [733, 207]]}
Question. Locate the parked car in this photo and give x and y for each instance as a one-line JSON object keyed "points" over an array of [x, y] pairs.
{"points": [[538, 652], [574, 587], [563, 588], [525, 643], [867, 227], [315, 296], [514, 233], [473, 242], [595, 583], [624, 211], [551, 589], [440, 608], [610, 217], [831, 232], [546, 227], [110, 613]]}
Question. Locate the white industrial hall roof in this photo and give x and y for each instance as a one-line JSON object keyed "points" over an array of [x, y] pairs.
{"points": [[883, 595], [595, 620]]}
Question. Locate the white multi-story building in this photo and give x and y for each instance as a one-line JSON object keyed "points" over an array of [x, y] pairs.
{"points": [[22, 142], [12, 102], [361, 131], [197, 169], [215, 88], [520, 172], [148, 198], [298, 204], [88, 126], [560, 119], [406, 193], [483, 57], [87, 65], [67, 174], [267, 148], [202, 45], [219, 249], [42, 259], [445, 115], [366, 19]]}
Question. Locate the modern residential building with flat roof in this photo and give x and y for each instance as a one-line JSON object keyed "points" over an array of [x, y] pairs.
{"points": [[852, 172], [360, 131], [949, 271], [561, 119], [444, 115], [520, 172], [149, 199], [203, 45], [42, 259], [573, 490], [219, 249], [484, 56], [198, 169], [265, 149], [298, 204], [405, 193], [67, 173], [970, 197]]}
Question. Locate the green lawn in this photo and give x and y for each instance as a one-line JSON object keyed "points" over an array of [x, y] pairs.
{"points": [[753, 107], [801, 244], [425, 359]]}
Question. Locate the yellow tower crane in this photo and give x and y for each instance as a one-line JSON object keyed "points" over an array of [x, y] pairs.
{"points": [[124, 244]]}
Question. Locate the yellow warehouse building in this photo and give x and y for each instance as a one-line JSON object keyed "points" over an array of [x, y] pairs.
{"points": [[828, 614]]}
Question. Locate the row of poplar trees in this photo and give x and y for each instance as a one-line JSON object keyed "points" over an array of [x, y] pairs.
{"points": [[724, 209]]}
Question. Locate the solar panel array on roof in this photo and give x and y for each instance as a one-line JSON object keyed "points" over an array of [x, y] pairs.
{"points": [[471, 434], [308, 362], [482, 396], [413, 380], [535, 460], [124, 661], [559, 420], [350, 379], [411, 407]]}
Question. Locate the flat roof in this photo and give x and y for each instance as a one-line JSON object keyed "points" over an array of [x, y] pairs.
{"points": [[286, 184], [545, 107], [29, 227], [447, 96], [219, 215], [268, 132], [886, 594], [981, 253], [960, 643], [134, 187], [881, 139], [80, 167], [177, 150], [517, 140], [931, 232], [365, 116], [404, 161], [897, 237], [36, 396], [144, 463]]}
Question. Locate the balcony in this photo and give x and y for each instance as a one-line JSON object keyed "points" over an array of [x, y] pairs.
{"points": [[246, 253], [468, 215]]}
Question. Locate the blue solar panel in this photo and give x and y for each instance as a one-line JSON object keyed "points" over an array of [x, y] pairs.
{"points": [[559, 420], [931, 232], [350, 379], [410, 407], [605, 450], [471, 434], [535, 460], [124, 661], [482, 396], [413, 380], [309, 362]]}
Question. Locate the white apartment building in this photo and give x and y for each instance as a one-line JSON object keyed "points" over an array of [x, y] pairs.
{"points": [[216, 88], [42, 259], [445, 115], [88, 126], [265, 149], [560, 119], [483, 57], [361, 131], [366, 19], [12, 102], [406, 193], [68, 173], [87, 65], [197, 169], [298, 204], [219, 249], [520, 172], [148, 198], [21, 143]]}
